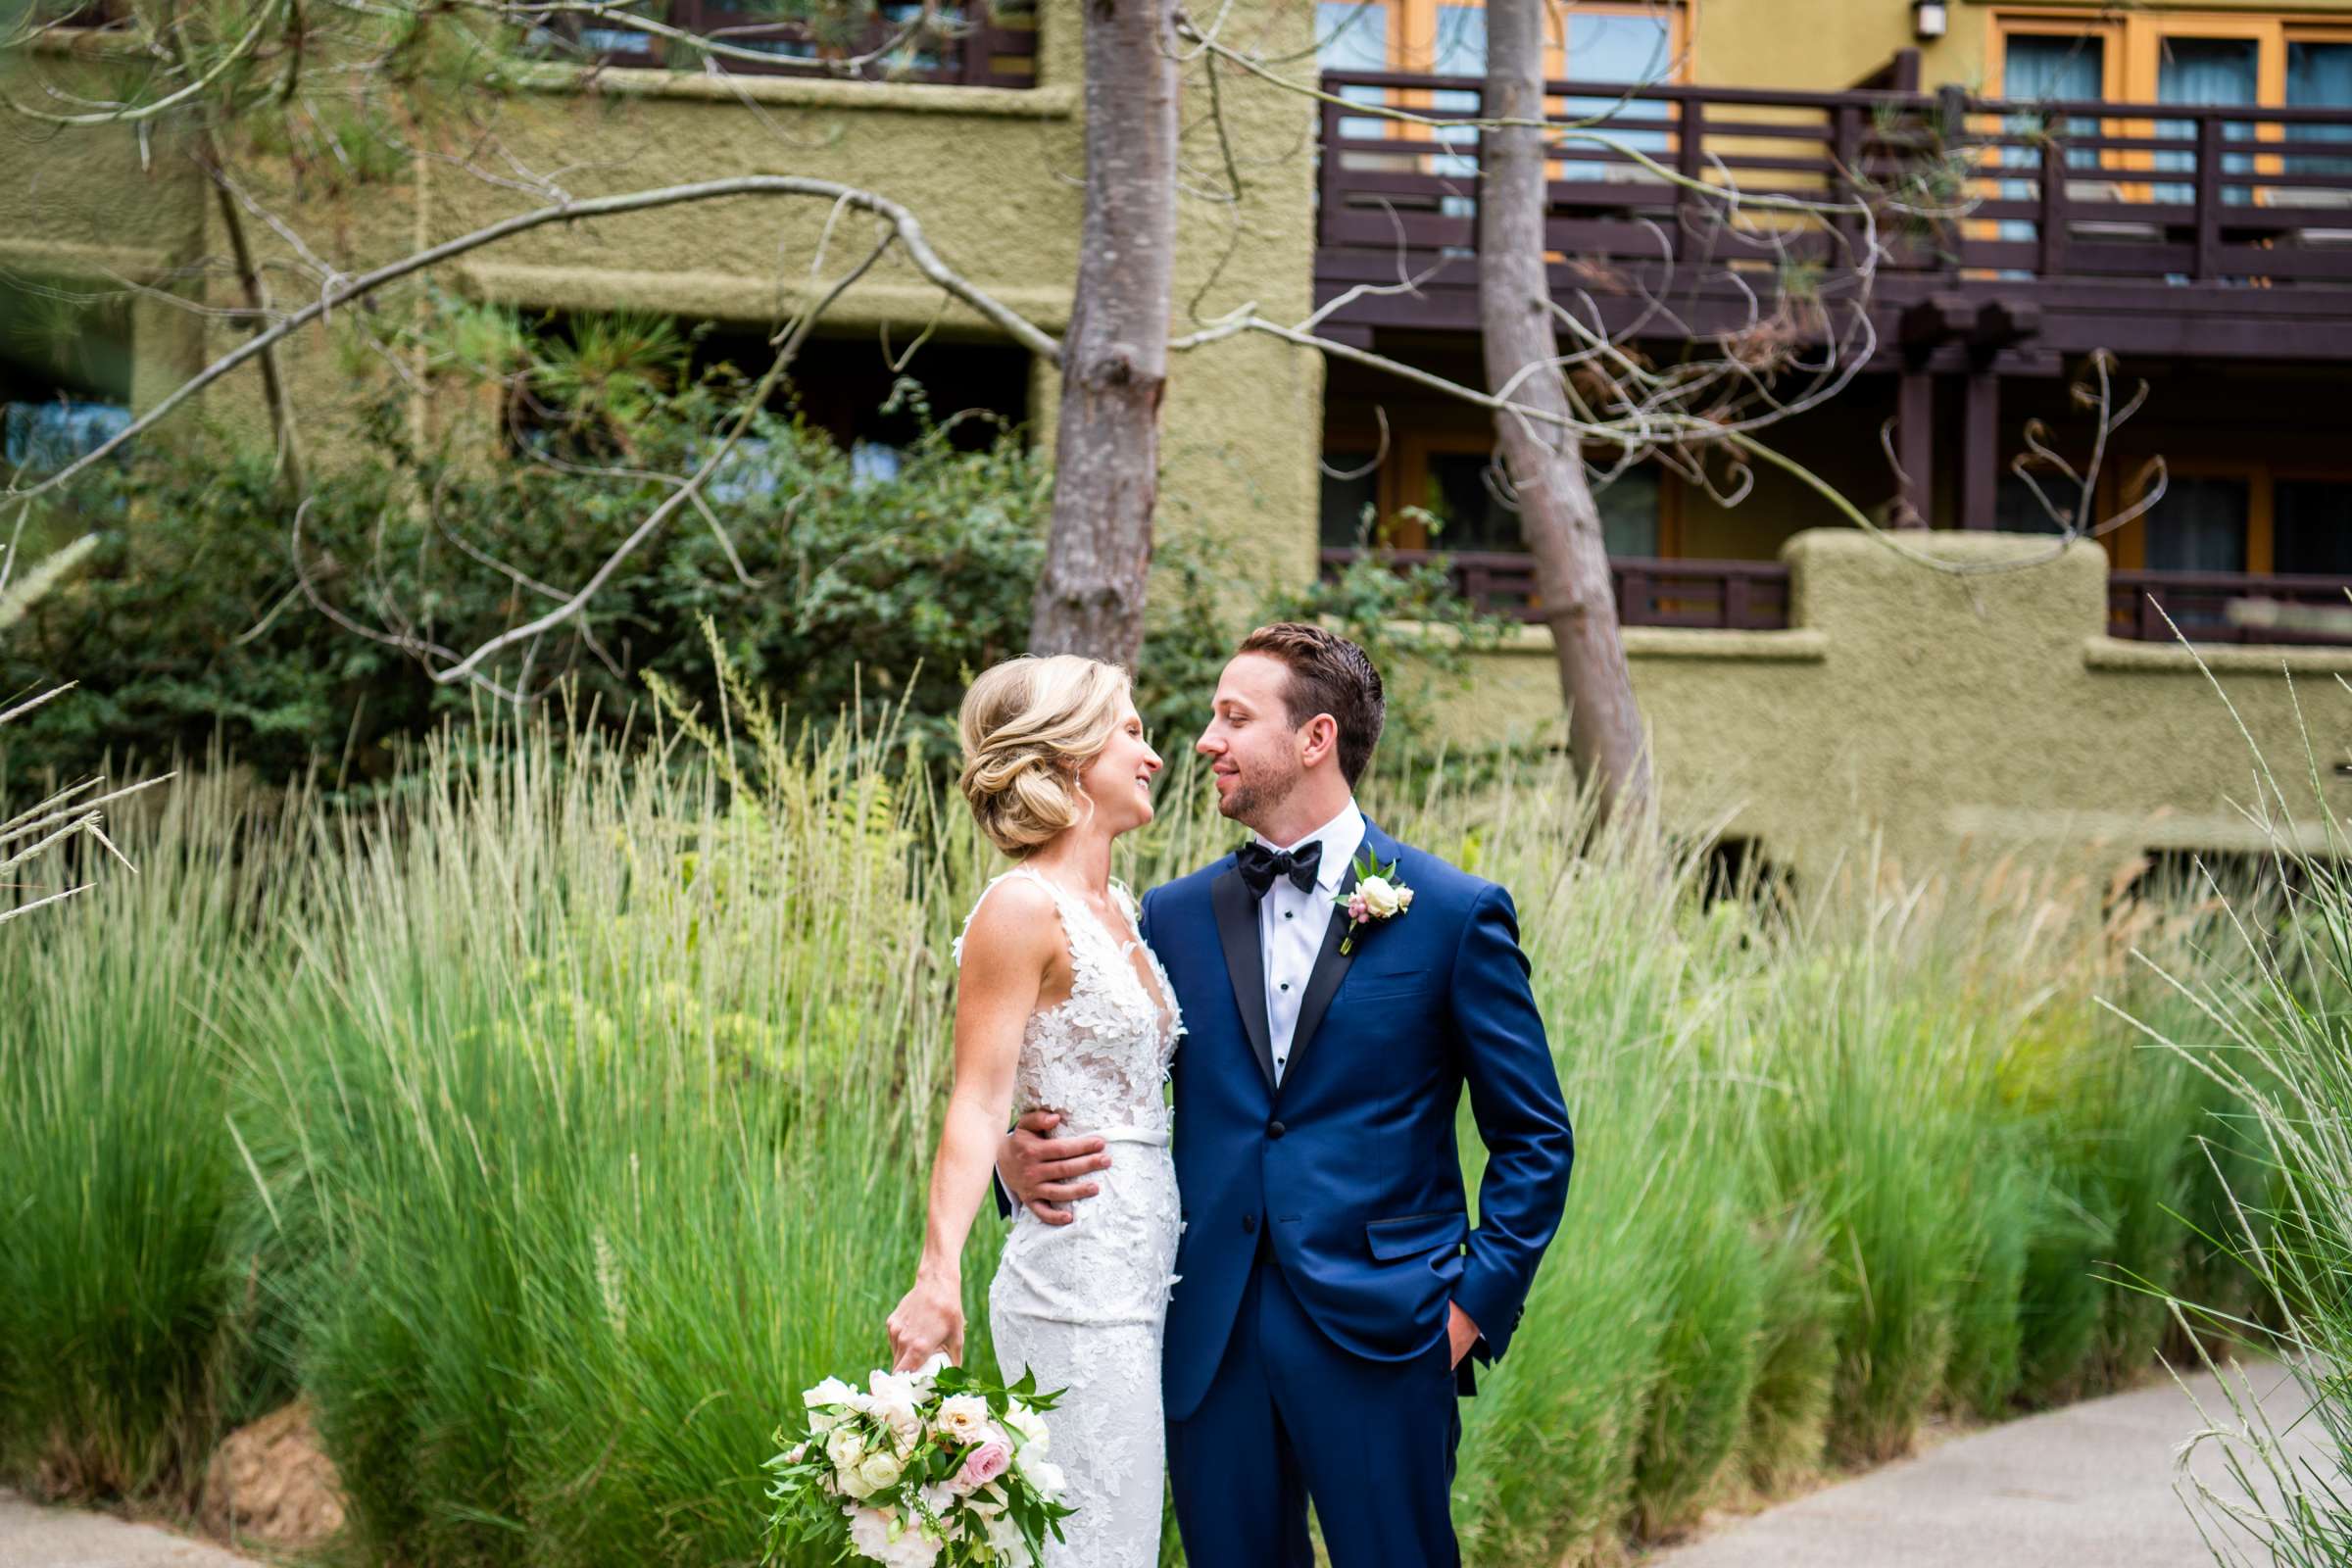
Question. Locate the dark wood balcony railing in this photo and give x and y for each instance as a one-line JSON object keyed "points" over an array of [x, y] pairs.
{"points": [[970, 46], [2256, 202], [1719, 595], [2228, 606]]}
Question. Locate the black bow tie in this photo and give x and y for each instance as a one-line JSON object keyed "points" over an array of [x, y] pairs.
{"points": [[1260, 866]]}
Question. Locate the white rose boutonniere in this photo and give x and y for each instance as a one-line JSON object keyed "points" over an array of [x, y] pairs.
{"points": [[1378, 894]]}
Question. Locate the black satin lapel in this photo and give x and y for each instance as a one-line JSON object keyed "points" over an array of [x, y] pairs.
{"points": [[1244, 962], [1331, 967]]}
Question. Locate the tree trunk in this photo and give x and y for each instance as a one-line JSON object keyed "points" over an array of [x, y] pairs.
{"points": [[1556, 510], [1114, 364]]}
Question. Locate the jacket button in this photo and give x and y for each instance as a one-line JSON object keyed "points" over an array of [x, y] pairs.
{"points": [[1250, 1224], [1275, 1129]]}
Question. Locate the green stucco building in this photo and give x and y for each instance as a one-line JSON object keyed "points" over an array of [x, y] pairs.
{"points": [[1800, 672]]}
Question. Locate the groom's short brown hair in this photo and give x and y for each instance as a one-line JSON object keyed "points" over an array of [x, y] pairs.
{"points": [[1329, 674]]}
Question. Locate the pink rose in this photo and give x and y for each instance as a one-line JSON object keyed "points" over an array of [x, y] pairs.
{"points": [[986, 1461]]}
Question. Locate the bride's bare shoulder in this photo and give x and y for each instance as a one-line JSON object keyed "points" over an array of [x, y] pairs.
{"points": [[1014, 928]]}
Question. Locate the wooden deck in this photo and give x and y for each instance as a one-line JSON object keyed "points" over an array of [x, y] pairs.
{"points": [[2174, 230]]}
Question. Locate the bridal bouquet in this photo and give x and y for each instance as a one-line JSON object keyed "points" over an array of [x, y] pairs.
{"points": [[938, 1468]]}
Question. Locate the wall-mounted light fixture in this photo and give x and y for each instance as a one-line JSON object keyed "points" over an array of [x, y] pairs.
{"points": [[1930, 19]]}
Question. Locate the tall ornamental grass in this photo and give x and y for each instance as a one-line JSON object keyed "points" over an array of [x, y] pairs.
{"points": [[124, 1269], [552, 1124], [2270, 1029]]}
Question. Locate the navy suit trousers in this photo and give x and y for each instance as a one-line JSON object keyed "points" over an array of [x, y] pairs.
{"points": [[1291, 1416]]}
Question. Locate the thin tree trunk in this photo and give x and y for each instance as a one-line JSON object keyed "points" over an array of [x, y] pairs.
{"points": [[1556, 510], [291, 476], [1114, 364]]}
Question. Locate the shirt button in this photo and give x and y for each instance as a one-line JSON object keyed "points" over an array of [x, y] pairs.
{"points": [[1285, 985], [1285, 914]]}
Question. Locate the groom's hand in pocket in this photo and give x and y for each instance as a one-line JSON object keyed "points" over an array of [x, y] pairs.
{"points": [[1460, 1331], [1043, 1171]]}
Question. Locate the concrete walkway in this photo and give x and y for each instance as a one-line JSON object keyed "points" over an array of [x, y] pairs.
{"points": [[2086, 1487], [68, 1538]]}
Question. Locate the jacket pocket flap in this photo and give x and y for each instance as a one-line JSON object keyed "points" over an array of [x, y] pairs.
{"points": [[1411, 1235]]}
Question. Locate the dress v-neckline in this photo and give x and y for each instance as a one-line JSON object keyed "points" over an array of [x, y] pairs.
{"points": [[1147, 977]]}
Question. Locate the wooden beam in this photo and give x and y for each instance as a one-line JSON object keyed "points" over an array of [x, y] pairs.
{"points": [[1981, 449], [1915, 447]]}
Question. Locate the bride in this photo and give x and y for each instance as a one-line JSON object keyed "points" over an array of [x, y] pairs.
{"points": [[1062, 1009]]}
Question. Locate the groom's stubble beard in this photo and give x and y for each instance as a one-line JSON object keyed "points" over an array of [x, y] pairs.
{"points": [[1256, 797]]}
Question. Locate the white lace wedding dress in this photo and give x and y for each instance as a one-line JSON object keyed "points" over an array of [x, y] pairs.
{"points": [[1083, 1304]]}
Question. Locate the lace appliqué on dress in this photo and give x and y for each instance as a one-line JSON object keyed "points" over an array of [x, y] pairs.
{"points": [[1083, 1304]]}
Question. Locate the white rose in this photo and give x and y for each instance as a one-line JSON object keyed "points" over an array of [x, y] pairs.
{"points": [[830, 1392], [1379, 896], [892, 1402], [1405, 899], [846, 1447], [1030, 1426], [1003, 1536], [930, 1369], [880, 1470], [1047, 1478], [962, 1418]]}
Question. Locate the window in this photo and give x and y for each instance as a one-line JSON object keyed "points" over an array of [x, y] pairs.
{"points": [[2231, 516], [895, 39], [2201, 525], [1445, 473], [1350, 485], [2017, 508], [2319, 76], [2209, 73], [1353, 36], [65, 372], [2310, 523], [2173, 56]]}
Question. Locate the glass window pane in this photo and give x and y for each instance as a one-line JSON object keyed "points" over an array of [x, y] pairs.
{"points": [[2312, 527], [1619, 51], [1461, 46], [2319, 76], [2015, 509], [1461, 51], [1353, 37], [1350, 485], [43, 436], [1474, 517], [2047, 67], [2200, 525], [1629, 514], [2205, 70]]}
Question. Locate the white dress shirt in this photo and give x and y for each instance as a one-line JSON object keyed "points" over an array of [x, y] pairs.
{"points": [[1291, 925]]}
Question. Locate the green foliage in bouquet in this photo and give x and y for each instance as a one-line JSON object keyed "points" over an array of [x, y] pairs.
{"points": [[941, 1466]]}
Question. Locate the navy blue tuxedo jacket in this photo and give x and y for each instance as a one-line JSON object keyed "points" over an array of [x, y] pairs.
{"points": [[1348, 1168]]}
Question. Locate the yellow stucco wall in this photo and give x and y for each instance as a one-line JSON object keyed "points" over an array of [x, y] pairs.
{"points": [[1961, 716], [994, 174]]}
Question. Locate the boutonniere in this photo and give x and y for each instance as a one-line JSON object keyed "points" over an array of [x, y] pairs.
{"points": [[1377, 896]]}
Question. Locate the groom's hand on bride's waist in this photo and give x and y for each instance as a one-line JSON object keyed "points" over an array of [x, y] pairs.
{"points": [[1041, 1170]]}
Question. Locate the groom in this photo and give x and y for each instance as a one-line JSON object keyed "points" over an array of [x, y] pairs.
{"points": [[1331, 1282]]}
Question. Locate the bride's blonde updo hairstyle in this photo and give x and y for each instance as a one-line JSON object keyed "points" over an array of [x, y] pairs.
{"points": [[1030, 727]]}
